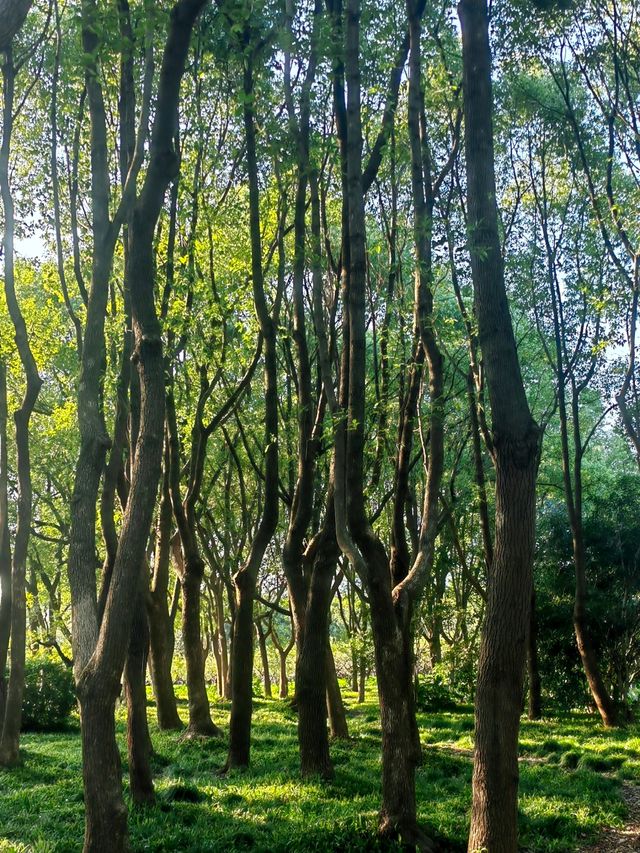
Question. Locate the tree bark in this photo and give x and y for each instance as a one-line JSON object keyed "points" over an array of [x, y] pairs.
{"points": [[161, 633], [106, 825], [338, 727], [245, 579], [139, 746], [10, 740], [516, 445], [312, 663], [12, 17], [5, 542]]}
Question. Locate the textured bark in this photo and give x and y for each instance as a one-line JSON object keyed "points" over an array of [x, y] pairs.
{"points": [[12, 16], [106, 828], [516, 452], [139, 745], [245, 579], [10, 740], [161, 633], [311, 665]]}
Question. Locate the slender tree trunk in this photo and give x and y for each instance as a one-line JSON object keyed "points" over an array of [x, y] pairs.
{"points": [[284, 679], [516, 440], [106, 825], [161, 633], [5, 542], [10, 740], [338, 727], [139, 745], [362, 680], [245, 579], [200, 722], [264, 660]]}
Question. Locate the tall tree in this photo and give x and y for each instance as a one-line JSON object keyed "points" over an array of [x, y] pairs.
{"points": [[516, 449], [10, 739]]}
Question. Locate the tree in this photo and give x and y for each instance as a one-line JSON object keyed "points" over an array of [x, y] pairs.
{"points": [[516, 449]]}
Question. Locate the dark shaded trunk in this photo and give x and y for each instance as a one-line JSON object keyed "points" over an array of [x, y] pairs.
{"points": [[311, 666], [161, 630], [12, 16], [338, 727], [139, 745], [516, 447]]}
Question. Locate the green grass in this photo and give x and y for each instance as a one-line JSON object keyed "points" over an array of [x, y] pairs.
{"points": [[563, 802]]}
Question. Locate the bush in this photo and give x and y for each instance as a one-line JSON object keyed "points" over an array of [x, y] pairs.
{"points": [[49, 695], [570, 759], [433, 693]]}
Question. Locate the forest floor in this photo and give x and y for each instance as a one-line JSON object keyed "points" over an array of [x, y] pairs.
{"points": [[574, 779]]}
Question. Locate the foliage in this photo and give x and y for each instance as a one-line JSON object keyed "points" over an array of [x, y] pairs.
{"points": [[433, 693], [49, 695]]}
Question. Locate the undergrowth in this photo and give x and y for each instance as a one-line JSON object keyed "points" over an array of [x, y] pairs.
{"points": [[570, 773]]}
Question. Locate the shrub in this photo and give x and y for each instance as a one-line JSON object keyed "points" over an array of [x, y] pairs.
{"points": [[49, 695], [570, 759], [433, 693]]}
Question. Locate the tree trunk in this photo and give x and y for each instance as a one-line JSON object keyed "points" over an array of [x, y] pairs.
{"points": [[362, 680], [264, 660], [311, 666], [138, 739], [245, 579], [516, 440], [12, 15], [284, 679], [161, 631], [98, 685], [200, 722], [5, 542], [10, 740], [338, 727]]}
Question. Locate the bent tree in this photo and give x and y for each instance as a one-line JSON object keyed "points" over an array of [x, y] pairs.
{"points": [[106, 642], [15, 609], [516, 450]]}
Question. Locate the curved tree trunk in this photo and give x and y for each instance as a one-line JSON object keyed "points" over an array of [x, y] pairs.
{"points": [[245, 579], [5, 542], [10, 740], [106, 826]]}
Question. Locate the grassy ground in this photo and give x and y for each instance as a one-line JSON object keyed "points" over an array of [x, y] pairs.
{"points": [[570, 779]]}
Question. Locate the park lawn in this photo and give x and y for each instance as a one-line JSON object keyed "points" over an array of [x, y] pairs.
{"points": [[571, 771]]}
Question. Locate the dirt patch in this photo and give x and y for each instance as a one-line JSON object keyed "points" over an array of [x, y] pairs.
{"points": [[627, 839]]}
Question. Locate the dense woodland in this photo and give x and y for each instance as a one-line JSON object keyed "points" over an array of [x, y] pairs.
{"points": [[318, 370]]}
